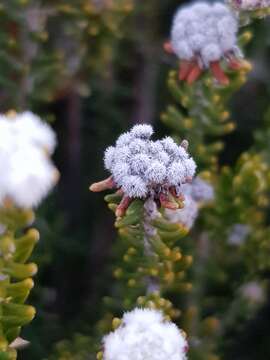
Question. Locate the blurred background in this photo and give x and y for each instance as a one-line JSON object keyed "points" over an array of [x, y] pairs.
{"points": [[92, 69]]}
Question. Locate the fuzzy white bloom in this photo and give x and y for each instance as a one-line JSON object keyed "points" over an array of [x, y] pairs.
{"points": [[196, 193], [203, 31], [30, 177], [250, 5], [27, 171], [145, 335], [32, 129], [238, 234], [140, 166]]}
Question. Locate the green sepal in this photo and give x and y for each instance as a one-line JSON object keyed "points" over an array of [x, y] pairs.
{"points": [[13, 333], [25, 245], [20, 271], [128, 220], [113, 198], [19, 291], [173, 236], [164, 225], [20, 310]]}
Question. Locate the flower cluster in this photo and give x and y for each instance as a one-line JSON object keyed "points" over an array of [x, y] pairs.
{"points": [[142, 168], [195, 194], [27, 173], [145, 335], [202, 35]]}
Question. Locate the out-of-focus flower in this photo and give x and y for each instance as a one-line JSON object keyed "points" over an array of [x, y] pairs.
{"points": [[238, 234], [185, 216], [250, 5], [143, 168], [202, 35], [197, 193], [145, 335], [28, 173], [253, 292]]}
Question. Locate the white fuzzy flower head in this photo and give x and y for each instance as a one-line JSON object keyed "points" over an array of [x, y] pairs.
{"points": [[27, 171], [145, 335], [202, 35], [141, 166], [205, 30]]}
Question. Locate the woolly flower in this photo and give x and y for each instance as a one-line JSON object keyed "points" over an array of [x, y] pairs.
{"points": [[141, 167], [30, 177], [144, 335], [202, 35], [30, 127], [250, 5], [238, 234], [199, 191], [154, 162], [27, 171]]}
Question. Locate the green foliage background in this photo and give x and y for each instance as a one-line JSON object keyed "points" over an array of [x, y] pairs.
{"points": [[119, 78]]}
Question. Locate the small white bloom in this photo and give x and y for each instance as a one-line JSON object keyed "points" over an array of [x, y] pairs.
{"points": [[123, 140], [144, 335], [190, 166], [176, 173], [109, 157], [139, 164], [137, 146], [169, 145], [121, 155], [163, 157], [134, 186], [142, 131], [120, 170], [156, 173], [154, 147]]}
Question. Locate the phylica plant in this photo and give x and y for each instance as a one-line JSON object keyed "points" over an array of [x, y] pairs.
{"points": [[143, 168], [145, 334], [202, 36], [149, 176], [27, 176]]}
